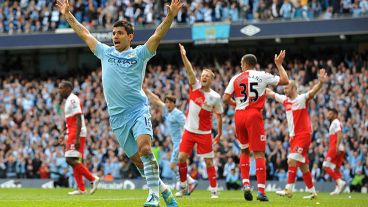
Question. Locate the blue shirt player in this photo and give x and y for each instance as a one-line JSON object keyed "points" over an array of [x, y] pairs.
{"points": [[174, 121], [123, 70]]}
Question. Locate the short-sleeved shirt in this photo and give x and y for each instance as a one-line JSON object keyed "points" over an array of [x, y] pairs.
{"points": [[175, 121], [122, 77], [334, 129], [296, 113], [201, 107], [73, 107], [248, 88]]}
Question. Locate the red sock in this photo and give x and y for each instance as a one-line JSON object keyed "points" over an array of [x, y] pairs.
{"points": [[183, 170], [79, 180], [244, 168], [307, 177], [261, 174], [84, 171], [292, 174], [211, 172], [331, 173]]}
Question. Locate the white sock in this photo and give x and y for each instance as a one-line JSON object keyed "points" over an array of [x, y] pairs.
{"points": [[290, 186], [151, 172], [163, 186], [313, 190], [190, 179]]}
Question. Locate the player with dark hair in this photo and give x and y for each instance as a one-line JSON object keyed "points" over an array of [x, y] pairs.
{"points": [[248, 89], [76, 138], [123, 70], [336, 154]]}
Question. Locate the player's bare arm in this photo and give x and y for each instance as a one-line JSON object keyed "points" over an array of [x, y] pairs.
{"points": [[161, 30], [153, 98], [318, 86], [187, 65], [270, 93], [339, 139], [219, 128], [78, 28], [284, 79], [229, 100], [78, 122]]}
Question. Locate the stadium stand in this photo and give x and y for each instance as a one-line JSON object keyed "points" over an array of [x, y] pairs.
{"points": [[35, 16], [31, 118]]}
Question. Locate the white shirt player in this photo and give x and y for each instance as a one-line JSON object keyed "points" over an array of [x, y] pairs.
{"points": [[72, 108], [296, 113], [201, 106], [248, 88]]}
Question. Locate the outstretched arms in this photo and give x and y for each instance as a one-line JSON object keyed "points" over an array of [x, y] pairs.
{"points": [[78, 28], [187, 65], [161, 30], [284, 80], [318, 86]]}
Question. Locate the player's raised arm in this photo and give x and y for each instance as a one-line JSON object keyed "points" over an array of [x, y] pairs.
{"points": [[81, 31], [153, 98], [162, 29], [284, 80], [318, 86], [187, 65]]}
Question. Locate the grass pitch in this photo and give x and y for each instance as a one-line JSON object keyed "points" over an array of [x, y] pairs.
{"points": [[131, 198]]}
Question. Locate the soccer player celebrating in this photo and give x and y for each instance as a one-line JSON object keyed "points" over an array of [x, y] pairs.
{"points": [[175, 120], [248, 89], [76, 138], [300, 131], [123, 70], [335, 155], [203, 102]]}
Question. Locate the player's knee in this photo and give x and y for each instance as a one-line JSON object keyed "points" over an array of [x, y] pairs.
{"points": [[245, 151], [291, 162], [182, 158], [209, 162], [71, 161], [259, 154], [145, 150]]}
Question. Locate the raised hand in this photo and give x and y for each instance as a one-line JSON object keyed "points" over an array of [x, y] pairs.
{"points": [[322, 75], [280, 58], [63, 6], [174, 7], [182, 50]]}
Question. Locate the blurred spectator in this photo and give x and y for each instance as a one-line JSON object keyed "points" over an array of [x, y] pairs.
{"points": [[27, 16]]}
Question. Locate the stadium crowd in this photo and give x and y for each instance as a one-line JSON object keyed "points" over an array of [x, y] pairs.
{"points": [[31, 118], [27, 16]]}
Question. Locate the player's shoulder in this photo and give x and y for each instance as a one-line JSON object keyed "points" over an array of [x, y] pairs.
{"points": [[72, 98], [214, 94], [336, 122]]}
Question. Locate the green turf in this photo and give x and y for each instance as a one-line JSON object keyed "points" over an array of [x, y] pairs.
{"points": [[131, 198]]}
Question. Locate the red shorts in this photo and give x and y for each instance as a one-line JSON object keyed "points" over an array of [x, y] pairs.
{"points": [[335, 158], [299, 146], [250, 129], [203, 141], [70, 148]]}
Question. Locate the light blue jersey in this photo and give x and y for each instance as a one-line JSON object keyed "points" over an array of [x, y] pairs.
{"points": [[175, 121], [127, 104], [122, 78]]}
